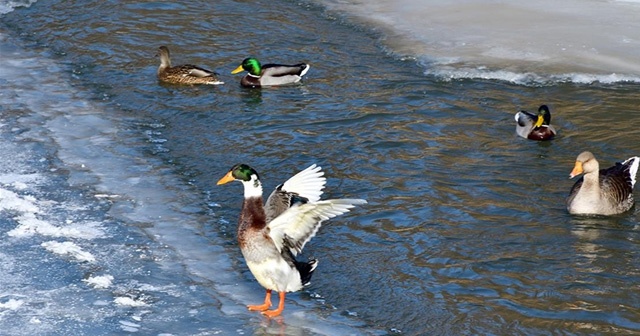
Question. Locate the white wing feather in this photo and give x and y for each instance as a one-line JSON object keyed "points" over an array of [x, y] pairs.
{"points": [[633, 168], [197, 72], [296, 226], [307, 183]]}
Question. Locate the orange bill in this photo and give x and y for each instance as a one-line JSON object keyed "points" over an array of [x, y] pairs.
{"points": [[577, 170], [227, 178]]}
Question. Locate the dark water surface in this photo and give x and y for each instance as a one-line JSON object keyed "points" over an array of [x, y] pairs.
{"points": [[465, 231]]}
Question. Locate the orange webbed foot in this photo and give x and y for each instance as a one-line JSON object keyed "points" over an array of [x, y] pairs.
{"points": [[266, 305], [278, 311], [261, 307], [272, 313]]}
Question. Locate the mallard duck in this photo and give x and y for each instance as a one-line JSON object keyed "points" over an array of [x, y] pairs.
{"points": [[183, 74], [270, 236], [269, 74], [602, 191], [535, 127]]}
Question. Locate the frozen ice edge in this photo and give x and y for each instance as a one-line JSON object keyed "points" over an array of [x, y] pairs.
{"points": [[84, 131]]}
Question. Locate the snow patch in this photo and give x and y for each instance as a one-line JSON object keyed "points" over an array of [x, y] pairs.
{"points": [[101, 281], [12, 201], [19, 179], [12, 304], [30, 225], [70, 249], [127, 301]]}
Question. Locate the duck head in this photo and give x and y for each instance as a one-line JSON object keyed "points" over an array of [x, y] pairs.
{"points": [[585, 163], [240, 172], [544, 116], [165, 59], [249, 178], [251, 65]]}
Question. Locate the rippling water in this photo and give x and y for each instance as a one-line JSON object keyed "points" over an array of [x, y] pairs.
{"points": [[465, 232]]}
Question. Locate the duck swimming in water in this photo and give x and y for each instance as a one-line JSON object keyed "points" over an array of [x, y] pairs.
{"points": [[183, 74], [535, 127], [269, 74], [606, 191]]}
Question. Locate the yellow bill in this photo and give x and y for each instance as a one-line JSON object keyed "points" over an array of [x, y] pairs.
{"points": [[539, 121], [238, 69]]}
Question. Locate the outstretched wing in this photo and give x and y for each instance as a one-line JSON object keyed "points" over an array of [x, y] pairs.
{"points": [[296, 226], [305, 186]]}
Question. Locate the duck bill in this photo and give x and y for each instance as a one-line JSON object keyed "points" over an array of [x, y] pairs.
{"points": [[539, 122], [238, 69], [226, 179], [577, 170]]}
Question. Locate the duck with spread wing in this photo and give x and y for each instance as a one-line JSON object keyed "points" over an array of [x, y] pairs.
{"points": [[271, 235]]}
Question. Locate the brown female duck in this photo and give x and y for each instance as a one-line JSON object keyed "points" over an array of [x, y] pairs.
{"points": [[183, 74]]}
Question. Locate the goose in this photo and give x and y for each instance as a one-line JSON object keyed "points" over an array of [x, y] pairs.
{"points": [[606, 191]]}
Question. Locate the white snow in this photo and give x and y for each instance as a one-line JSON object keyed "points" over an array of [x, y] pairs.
{"points": [[127, 301], [101, 281], [68, 249], [9, 200], [29, 225], [11, 304]]}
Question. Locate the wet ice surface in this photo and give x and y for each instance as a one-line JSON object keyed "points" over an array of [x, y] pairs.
{"points": [[74, 259], [98, 238]]}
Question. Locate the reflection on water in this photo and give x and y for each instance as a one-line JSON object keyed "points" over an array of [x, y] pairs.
{"points": [[466, 230]]}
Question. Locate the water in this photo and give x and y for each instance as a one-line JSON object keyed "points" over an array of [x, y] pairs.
{"points": [[112, 222]]}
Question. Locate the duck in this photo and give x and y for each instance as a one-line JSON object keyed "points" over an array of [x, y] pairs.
{"points": [[606, 191], [183, 74], [269, 74], [271, 235], [535, 127]]}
